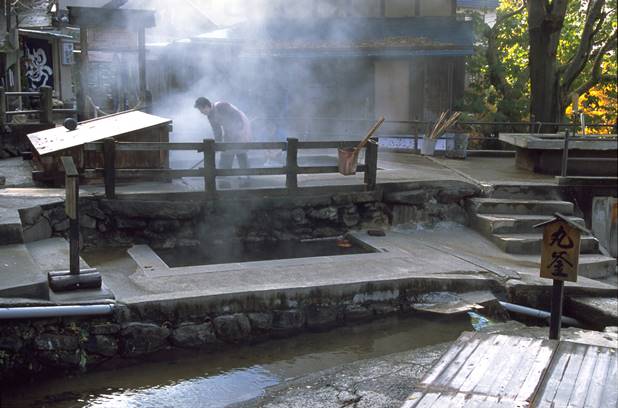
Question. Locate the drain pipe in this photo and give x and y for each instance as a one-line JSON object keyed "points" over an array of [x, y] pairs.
{"points": [[541, 314], [54, 311]]}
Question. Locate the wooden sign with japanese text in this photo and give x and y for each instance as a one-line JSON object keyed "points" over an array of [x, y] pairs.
{"points": [[560, 251]]}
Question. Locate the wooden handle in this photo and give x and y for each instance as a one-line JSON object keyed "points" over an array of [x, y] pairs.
{"points": [[371, 132]]}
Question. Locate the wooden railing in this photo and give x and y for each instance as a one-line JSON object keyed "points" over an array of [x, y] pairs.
{"points": [[45, 112], [564, 163], [210, 172]]}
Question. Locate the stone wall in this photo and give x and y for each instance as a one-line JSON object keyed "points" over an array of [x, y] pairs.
{"points": [[427, 203], [69, 345], [167, 224], [73, 344]]}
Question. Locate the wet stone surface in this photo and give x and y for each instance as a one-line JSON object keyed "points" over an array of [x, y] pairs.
{"points": [[374, 383]]}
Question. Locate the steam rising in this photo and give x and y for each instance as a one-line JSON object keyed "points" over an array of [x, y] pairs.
{"points": [[235, 50]]}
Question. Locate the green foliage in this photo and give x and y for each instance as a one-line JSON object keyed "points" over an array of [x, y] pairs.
{"points": [[483, 101]]}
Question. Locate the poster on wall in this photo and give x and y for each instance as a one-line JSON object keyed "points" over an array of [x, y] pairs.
{"points": [[39, 69], [67, 53]]}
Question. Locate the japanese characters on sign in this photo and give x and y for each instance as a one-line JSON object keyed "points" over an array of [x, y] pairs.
{"points": [[560, 252]]}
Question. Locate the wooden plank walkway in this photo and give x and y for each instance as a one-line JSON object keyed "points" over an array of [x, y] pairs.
{"points": [[494, 370]]}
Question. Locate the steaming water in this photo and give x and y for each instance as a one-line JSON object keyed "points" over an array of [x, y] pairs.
{"points": [[207, 254], [201, 379]]}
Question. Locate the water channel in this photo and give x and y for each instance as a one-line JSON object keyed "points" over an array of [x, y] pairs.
{"points": [[183, 379]]}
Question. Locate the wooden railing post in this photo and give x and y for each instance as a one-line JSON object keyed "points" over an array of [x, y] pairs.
{"points": [[46, 105], [109, 167], [210, 169], [72, 211], [291, 165], [371, 164], [565, 154], [2, 108], [73, 278]]}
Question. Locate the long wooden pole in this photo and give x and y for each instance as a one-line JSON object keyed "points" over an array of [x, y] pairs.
{"points": [[370, 133]]}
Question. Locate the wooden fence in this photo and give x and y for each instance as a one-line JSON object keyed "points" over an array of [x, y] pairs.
{"points": [[210, 172], [46, 107]]}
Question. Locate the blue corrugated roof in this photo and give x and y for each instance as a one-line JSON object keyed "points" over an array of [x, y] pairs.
{"points": [[350, 37], [479, 4]]}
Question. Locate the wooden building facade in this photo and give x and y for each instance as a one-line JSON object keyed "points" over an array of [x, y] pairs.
{"points": [[402, 60]]}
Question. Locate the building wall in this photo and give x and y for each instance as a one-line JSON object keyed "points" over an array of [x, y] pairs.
{"points": [[392, 91], [400, 8], [437, 7]]}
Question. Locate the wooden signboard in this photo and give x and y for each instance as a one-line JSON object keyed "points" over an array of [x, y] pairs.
{"points": [[560, 252], [559, 260]]}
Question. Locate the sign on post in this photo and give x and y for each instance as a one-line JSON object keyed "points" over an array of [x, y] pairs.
{"points": [[559, 261], [560, 252]]}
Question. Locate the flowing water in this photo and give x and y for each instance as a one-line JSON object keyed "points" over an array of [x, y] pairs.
{"points": [[200, 379]]}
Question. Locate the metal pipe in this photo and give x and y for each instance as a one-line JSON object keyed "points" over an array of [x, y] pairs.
{"points": [[541, 314], [565, 155], [54, 311], [37, 93]]}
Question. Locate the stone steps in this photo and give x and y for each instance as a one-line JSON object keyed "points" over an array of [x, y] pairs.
{"points": [[599, 312], [509, 216], [511, 223], [526, 191], [518, 206], [531, 243], [10, 227], [593, 266]]}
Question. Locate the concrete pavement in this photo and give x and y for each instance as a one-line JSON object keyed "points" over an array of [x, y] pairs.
{"points": [[449, 254]]}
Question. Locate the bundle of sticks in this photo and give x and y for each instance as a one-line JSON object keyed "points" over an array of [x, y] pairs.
{"points": [[444, 122]]}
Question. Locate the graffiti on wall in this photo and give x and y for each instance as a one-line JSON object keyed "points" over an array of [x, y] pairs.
{"points": [[39, 63]]}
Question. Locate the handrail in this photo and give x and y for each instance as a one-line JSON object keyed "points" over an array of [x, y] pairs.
{"points": [[209, 171], [429, 122], [564, 163], [45, 112]]}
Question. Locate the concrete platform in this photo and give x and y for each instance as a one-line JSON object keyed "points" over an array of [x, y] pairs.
{"points": [[20, 276], [542, 153], [12, 200], [452, 258], [444, 257], [53, 255]]}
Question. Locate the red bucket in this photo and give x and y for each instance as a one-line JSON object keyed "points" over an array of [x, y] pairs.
{"points": [[348, 160]]}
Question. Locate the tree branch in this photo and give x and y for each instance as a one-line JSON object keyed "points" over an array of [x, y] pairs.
{"points": [[505, 17], [495, 71], [594, 20], [595, 76]]}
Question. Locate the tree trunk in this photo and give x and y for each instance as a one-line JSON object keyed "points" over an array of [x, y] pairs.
{"points": [[544, 81], [544, 27]]}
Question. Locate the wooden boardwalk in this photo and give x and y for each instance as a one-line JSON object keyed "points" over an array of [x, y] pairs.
{"points": [[494, 370]]}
